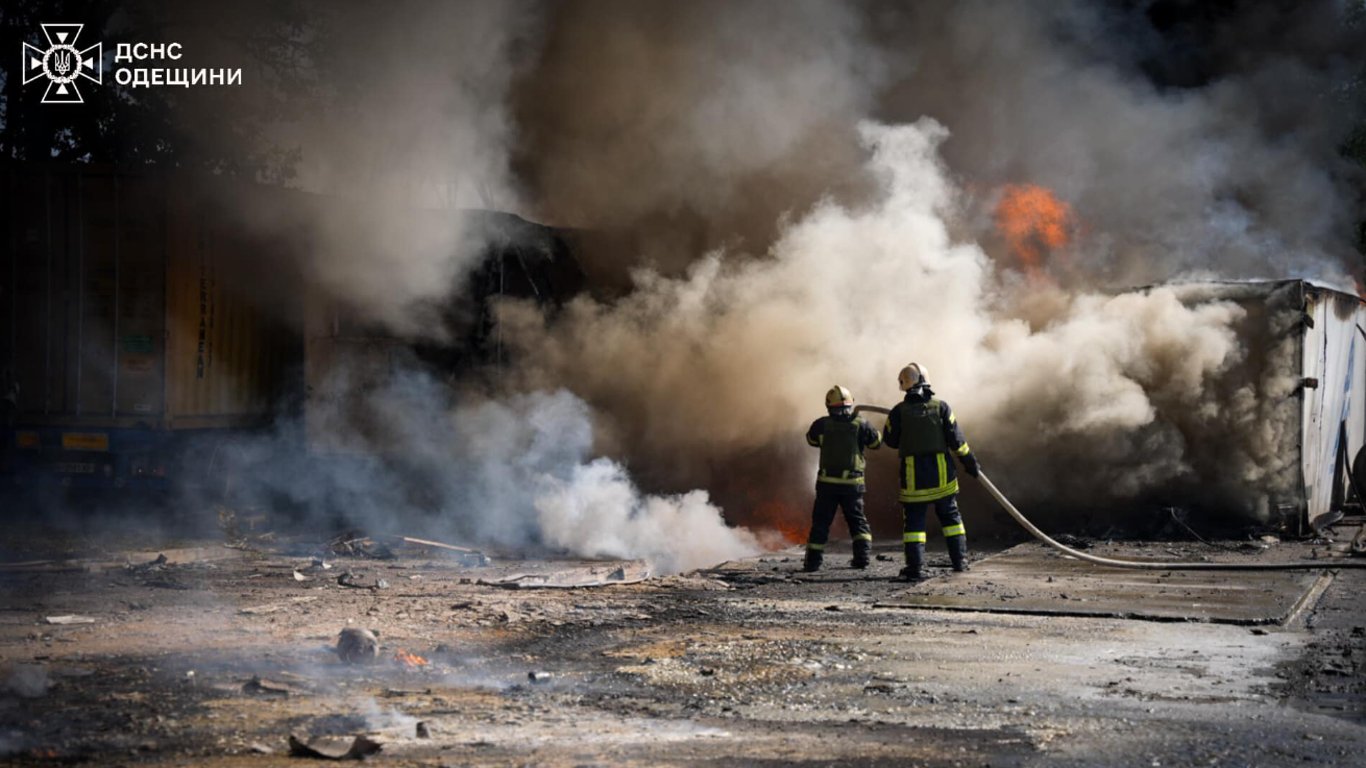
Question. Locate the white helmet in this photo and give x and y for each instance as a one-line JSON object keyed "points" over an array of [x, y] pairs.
{"points": [[913, 375], [838, 397]]}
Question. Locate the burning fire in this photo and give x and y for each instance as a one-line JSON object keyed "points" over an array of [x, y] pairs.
{"points": [[409, 660], [783, 518], [1034, 223]]}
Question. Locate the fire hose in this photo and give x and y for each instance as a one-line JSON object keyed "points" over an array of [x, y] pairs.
{"points": [[1151, 565]]}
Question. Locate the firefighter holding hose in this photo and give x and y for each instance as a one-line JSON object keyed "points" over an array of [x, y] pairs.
{"points": [[925, 432], [842, 438]]}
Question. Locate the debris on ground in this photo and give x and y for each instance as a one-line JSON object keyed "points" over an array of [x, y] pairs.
{"points": [[261, 686], [333, 748], [69, 619], [156, 565], [358, 646], [235, 537], [1081, 661], [467, 552], [357, 544], [357, 581], [315, 566], [634, 572]]}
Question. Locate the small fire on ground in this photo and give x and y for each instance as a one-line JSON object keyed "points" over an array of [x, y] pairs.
{"points": [[782, 518], [409, 660]]}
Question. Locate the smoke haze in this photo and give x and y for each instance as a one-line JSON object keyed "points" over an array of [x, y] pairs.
{"points": [[796, 194], [518, 472], [1076, 398]]}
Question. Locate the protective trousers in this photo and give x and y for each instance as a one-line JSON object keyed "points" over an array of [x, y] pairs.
{"points": [[913, 536], [849, 499]]}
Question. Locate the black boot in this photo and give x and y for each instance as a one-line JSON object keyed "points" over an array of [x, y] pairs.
{"points": [[813, 560], [958, 553], [862, 553], [915, 563]]}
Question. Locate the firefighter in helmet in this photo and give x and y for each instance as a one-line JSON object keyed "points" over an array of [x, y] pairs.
{"points": [[842, 438], [925, 432]]}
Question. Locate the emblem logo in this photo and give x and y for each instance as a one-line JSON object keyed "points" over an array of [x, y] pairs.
{"points": [[63, 64]]}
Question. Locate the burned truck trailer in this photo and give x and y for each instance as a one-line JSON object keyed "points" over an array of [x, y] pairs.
{"points": [[145, 328], [131, 341], [347, 357], [1285, 442]]}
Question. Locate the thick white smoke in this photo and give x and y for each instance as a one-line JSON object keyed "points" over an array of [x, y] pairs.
{"points": [[803, 190], [1079, 397], [518, 473], [849, 294]]}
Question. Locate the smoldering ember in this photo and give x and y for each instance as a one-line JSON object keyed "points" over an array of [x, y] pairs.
{"points": [[651, 382]]}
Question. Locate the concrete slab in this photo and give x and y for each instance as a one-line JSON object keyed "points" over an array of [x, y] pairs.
{"points": [[1032, 579]]}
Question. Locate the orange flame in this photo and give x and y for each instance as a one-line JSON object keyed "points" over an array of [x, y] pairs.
{"points": [[1034, 223], [783, 518], [409, 660]]}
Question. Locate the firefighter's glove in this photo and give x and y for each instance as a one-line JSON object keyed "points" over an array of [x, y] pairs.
{"points": [[971, 466]]}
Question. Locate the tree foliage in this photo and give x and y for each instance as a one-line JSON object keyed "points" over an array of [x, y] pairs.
{"points": [[223, 129]]}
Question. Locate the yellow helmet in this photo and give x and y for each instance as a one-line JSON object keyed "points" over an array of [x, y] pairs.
{"points": [[913, 375], [838, 396]]}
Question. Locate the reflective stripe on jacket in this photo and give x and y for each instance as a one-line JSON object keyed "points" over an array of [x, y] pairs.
{"points": [[924, 431]]}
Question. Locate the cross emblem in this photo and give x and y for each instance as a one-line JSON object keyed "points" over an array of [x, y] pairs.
{"points": [[62, 63]]}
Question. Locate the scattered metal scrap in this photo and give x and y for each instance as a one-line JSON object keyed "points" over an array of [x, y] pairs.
{"points": [[356, 581], [235, 537], [629, 573], [357, 544], [159, 564], [184, 569], [70, 619], [260, 686], [468, 556], [331, 748]]}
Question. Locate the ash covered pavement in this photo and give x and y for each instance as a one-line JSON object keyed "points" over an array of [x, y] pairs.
{"points": [[219, 655]]}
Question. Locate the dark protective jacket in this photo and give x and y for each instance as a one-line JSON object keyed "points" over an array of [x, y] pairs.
{"points": [[924, 431], [842, 441]]}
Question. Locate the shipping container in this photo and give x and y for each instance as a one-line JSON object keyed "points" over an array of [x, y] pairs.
{"points": [[130, 339], [1301, 385]]}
